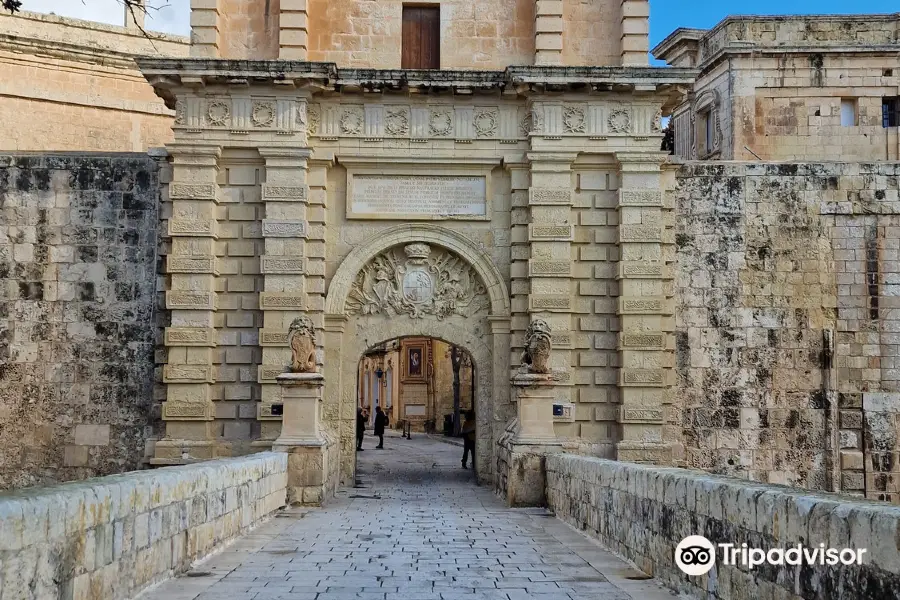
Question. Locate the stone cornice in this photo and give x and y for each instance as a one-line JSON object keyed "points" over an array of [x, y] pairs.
{"points": [[167, 74]]}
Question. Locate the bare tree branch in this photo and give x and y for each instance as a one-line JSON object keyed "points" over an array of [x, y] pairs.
{"points": [[137, 10]]}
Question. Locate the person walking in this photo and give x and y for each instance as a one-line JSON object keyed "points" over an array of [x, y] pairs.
{"points": [[361, 418], [468, 433], [380, 422]]}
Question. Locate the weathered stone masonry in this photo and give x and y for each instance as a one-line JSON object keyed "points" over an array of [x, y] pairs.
{"points": [[786, 323], [78, 252]]}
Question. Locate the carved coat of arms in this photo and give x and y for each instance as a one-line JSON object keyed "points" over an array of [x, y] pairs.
{"points": [[424, 283]]}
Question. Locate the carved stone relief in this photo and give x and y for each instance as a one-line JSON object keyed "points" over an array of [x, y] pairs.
{"points": [[417, 280], [352, 121], [619, 121], [574, 120], [441, 123], [313, 116], [218, 113], [302, 340], [537, 121], [536, 357], [397, 121], [263, 114], [179, 112], [302, 118], [525, 126], [485, 123]]}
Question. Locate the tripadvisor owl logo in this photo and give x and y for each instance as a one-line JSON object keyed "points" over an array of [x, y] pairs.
{"points": [[695, 555]]}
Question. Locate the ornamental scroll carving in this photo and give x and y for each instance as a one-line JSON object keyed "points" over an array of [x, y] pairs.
{"points": [[417, 280]]}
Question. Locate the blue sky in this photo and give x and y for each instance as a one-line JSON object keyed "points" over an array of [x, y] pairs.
{"points": [[665, 15], [668, 15]]}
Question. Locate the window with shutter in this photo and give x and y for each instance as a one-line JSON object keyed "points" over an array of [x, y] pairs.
{"points": [[421, 43]]}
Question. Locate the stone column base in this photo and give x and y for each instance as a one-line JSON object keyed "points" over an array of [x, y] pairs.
{"points": [[532, 440], [649, 453], [526, 483], [302, 439], [307, 465]]}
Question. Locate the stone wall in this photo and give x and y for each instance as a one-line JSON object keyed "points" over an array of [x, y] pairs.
{"points": [[773, 87], [786, 321], [642, 513], [72, 85], [109, 538], [78, 254]]}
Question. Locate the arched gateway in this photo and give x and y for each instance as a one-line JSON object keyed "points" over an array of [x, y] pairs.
{"points": [[417, 280]]}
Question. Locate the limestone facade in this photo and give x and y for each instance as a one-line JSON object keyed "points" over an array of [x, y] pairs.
{"points": [[449, 204], [489, 35], [789, 88], [79, 86]]}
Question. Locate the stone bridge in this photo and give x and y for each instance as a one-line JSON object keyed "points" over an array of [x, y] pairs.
{"points": [[415, 526]]}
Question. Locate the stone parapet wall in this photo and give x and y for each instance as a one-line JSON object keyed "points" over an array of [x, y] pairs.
{"points": [[72, 85], [642, 513], [78, 263], [109, 538]]}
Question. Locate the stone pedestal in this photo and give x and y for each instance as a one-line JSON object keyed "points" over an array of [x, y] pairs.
{"points": [[533, 440], [302, 439]]}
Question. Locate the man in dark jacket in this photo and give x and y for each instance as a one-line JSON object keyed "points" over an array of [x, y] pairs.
{"points": [[361, 418], [468, 434], [380, 422]]}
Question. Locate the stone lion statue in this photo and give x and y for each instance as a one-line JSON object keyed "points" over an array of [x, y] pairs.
{"points": [[536, 357], [302, 340]]}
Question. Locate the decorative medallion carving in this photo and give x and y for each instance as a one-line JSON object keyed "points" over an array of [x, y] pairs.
{"points": [[619, 121], [485, 123], [656, 126], [179, 112], [396, 121], [417, 280], [263, 114], [301, 117], [313, 116], [441, 123], [574, 120], [352, 122], [525, 125], [218, 113], [302, 340], [536, 357], [537, 121]]}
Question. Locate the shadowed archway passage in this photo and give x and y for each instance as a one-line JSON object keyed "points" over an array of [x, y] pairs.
{"points": [[414, 527]]}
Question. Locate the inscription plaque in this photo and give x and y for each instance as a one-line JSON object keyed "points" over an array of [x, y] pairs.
{"points": [[417, 196]]}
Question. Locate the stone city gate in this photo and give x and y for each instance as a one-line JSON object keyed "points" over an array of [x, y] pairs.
{"points": [[532, 193], [464, 301]]}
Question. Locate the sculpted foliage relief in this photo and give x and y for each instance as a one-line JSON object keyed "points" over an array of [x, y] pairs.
{"points": [[417, 280]]}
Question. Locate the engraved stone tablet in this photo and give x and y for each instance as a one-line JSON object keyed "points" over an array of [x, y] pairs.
{"points": [[417, 197]]}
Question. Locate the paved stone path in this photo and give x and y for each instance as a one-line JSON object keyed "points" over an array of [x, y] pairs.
{"points": [[415, 528]]}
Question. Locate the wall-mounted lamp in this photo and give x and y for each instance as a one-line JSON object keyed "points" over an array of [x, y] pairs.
{"points": [[379, 373]]}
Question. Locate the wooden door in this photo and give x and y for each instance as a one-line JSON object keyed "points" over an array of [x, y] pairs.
{"points": [[421, 38]]}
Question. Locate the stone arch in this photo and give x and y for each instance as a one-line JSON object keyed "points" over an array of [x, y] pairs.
{"points": [[454, 241], [486, 339]]}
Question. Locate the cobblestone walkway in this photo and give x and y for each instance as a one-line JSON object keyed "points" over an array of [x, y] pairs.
{"points": [[415, 528]]}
